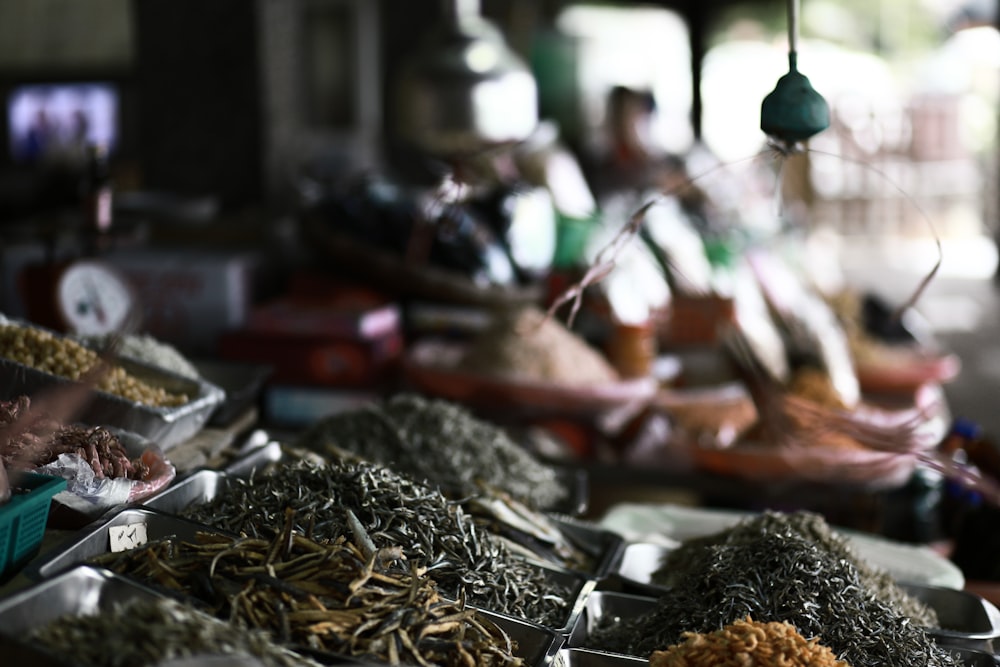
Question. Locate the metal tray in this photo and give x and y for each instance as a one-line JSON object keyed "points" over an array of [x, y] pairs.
{"points": [[966, 620], [537, 646], [635, 567], [603, 545], [585, 657], [257, 452], [974, 658], [79, 591], [580, 587], [166, 426], [95, 539], [577, 480], [196, 488], [605, 603]]}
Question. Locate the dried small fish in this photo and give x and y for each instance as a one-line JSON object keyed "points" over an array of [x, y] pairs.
{"points": [[497, 480], [776, 575], [328, 597], [810, 526], [440, 442], [435, 534], [144, 631]]}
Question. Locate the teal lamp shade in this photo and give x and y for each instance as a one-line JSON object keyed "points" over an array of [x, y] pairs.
{"points": [[793, 111]]}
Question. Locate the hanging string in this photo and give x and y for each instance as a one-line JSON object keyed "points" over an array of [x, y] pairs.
{"points": [[605, 260]]}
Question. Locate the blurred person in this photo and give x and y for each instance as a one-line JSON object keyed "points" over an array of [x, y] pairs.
{"points": [[630, 159], [36, 141]]}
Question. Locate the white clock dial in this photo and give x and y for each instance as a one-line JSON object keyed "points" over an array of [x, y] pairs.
{"points": [[94, 299]]}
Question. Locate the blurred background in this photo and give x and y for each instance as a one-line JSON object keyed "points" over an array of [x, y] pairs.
{"points": [[328, 202], [224, 128], [232, 101]]}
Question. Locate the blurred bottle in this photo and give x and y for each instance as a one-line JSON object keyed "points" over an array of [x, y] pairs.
{"points": [[972, 523], [967, 444], [96, 191], [631, 348]]}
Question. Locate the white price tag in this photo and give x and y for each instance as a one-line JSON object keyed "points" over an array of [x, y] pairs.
{"points": [[126, 537]]}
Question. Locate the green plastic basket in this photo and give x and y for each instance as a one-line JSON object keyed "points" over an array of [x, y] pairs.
{"points": [[23, 518]]}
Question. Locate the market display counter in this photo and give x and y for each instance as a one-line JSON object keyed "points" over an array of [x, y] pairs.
{"points": [[622, 584]]}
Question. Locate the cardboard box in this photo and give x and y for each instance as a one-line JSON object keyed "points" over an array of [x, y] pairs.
{"points": [[316, 360], [189, 297]]}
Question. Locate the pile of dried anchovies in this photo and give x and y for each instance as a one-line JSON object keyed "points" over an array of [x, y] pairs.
{"points": [[336, 597], [443, 443], [344, 496], [810, 526], [150, 631], [778, 576]]}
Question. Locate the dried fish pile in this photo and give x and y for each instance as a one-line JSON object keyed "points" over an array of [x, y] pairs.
{"points": [[778, 576], [443, 443], [747, 642], [151, 631], [335, 597], [434, 533], [809, 526], [44, 439]]}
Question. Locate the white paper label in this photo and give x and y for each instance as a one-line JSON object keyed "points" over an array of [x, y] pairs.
{"points": [[127, 537]]}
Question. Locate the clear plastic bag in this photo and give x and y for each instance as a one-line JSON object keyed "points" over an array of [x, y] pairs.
{"points": [[92, 495]]}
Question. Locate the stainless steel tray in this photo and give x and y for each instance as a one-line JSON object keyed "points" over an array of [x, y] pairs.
{"points": [[95, 540], [257, 452], [577, 480], [536, 645], [605, 603], [974, 658], [585, 657], [195, 488], [166, 426], [603, 545], [635, 567], [77, 592], [966, 620], [580, 587]]}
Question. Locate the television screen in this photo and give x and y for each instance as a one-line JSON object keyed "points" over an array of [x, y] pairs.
{"points": [[54, 122]]}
